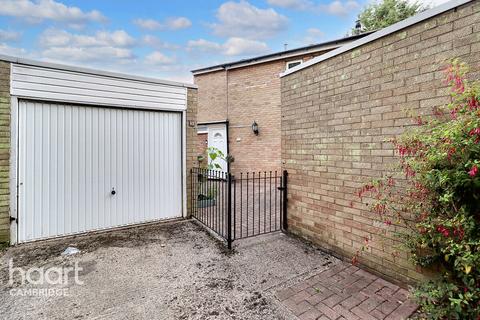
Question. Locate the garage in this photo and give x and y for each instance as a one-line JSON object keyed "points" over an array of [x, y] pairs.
{"points": [[93, 151]]}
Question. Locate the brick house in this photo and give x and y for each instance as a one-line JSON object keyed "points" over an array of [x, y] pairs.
{"points": [[338, 110], [232, 96]]}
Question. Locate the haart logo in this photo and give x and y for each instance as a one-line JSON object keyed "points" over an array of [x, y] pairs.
{"points": [[40, 280]]}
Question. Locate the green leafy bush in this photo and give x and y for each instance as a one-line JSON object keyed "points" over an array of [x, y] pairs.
{"points": [[378, 15], [207, 160], [435, 197], [209, 163]]}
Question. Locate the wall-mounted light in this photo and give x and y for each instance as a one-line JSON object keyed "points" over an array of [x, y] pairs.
{"points": [[255, 128]]}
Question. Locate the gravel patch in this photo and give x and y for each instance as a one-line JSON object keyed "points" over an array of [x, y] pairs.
{"points": [[163, 271]]}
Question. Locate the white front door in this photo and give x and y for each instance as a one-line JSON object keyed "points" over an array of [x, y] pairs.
{"points": [[85, 168], [217, 137]]}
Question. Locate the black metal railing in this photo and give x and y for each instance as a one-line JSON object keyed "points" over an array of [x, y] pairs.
{"points": [[242, 206]]}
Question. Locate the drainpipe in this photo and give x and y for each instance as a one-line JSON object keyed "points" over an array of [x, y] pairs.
{"points": [[226, 87], [226, 123], [228, 146]]}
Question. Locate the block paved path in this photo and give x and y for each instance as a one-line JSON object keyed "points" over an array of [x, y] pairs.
{"points": [[346, 292]]}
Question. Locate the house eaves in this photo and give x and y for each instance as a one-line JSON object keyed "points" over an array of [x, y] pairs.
{"points": [[281, 55]]}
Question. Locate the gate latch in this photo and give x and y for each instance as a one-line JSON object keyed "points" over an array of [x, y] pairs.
{"points": [[13, 219], [281, 188]]}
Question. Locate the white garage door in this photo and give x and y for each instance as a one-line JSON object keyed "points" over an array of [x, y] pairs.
{"points": [[85, 168]]}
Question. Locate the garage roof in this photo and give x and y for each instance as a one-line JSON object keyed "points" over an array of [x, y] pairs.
{"points": [[29, 62]]}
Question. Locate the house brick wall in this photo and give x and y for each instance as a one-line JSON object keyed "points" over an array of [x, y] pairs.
{"points": [[212, 98], [202, 143], [253, 95], [337, 115], [4, 151], [191, 137]]}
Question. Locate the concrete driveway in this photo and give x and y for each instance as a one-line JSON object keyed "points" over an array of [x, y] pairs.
{"points": [[178, 271], [163, 271]]}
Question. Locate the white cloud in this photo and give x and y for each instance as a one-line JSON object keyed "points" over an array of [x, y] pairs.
{"points": [[291, 4], [336, 7], [148, 24], [241, 19], [12, 51], [155, 42], [240, 46], [54, 37], [102, 46], [178, 23], [114, 51], [232, 47], [88, 54], [204, 45], [39, 10], [339, 8], [158, 58], [8, 35], [174, 23]]}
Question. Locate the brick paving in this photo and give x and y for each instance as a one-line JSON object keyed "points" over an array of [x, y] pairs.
{"points": [[346, 292], [341, 292]]}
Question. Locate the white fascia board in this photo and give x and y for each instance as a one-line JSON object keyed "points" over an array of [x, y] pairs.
{"points": [[379, 34]]}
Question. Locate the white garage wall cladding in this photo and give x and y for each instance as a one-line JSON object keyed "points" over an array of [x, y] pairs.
{"points": [[63, 85], [70, 157]]}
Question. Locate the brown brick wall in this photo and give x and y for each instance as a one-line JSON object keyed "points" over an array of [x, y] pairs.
{"points": [[4, 151], [192, 108], [212, 96], [202, 143], [253, 95], [337, 115]]}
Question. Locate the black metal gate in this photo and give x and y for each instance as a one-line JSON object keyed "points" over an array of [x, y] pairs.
{"points": [[242, 206]]}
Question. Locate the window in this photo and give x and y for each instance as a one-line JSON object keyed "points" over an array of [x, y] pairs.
{"points": [[294, 63]]}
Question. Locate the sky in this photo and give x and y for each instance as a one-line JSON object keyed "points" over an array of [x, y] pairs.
{"points": [[168, 38]]}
